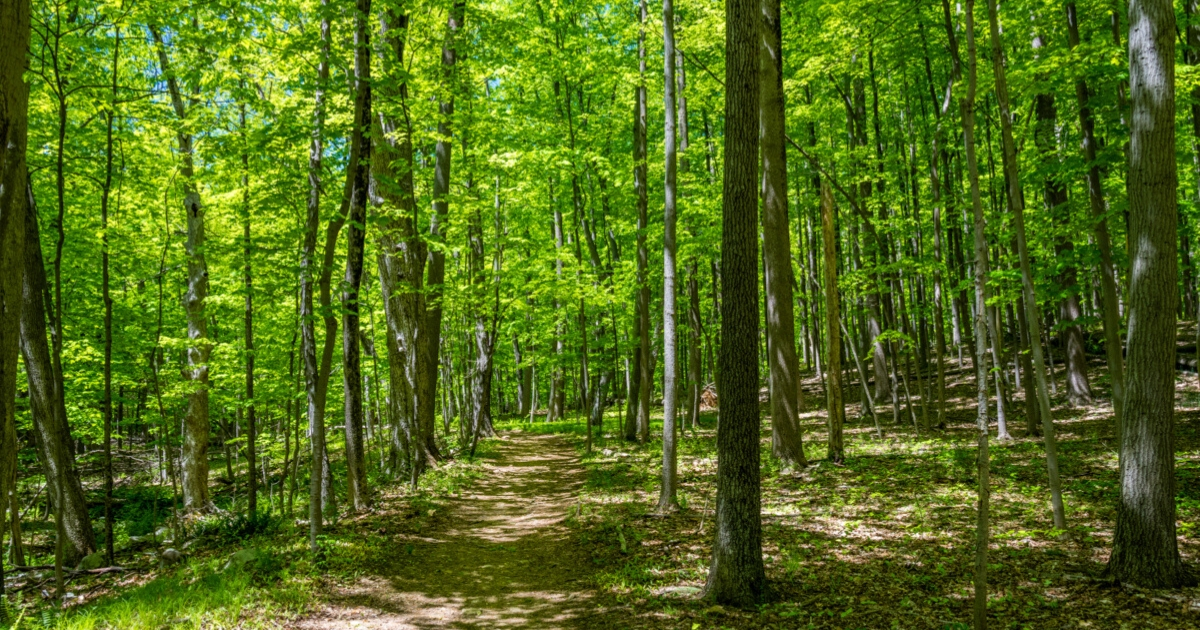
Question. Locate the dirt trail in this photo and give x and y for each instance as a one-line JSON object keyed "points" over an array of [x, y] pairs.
{"points": [[499, 557]]}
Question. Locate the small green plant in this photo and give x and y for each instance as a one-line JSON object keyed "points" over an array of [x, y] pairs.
{"points": [[238, 527], [964, 463]]}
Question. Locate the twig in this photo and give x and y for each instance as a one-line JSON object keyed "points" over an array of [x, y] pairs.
{"points": [[858, 209], [33, 501]]}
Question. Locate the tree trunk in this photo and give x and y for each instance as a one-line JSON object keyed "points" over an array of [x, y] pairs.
{"points": [[17, 555], [359, 171], [835, 403], [484, 336], [1079, 392], [247, 278], [644, 373], [786, 441], [441, 205], [1016, 205], [695, 362], [666, 499], [402, 254], [196, 424], [106, 403], [1033, 416], [1145, 551], [982, 458], [51, 433], [524, 379], [633, 388], [315, 403], [557, 386], [14, 102], [736, 576]]}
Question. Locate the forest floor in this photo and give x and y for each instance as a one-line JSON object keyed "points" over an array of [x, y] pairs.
{"points": [[497, 556], [538, 531], [886, 540]]}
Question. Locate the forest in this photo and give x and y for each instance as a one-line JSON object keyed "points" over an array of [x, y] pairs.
{"points": [[573, 314]]}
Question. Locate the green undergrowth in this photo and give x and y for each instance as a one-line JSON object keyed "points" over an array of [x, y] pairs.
{"points": [[886, 539], [279, 584]]}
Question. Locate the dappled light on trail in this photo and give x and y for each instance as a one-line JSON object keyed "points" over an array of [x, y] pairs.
{"points": [[500, 555]]}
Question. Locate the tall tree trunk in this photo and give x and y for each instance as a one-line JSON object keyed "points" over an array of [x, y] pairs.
{"points": [[402, 252], [1016, 205], [484, 337], [196, 424], [524, 379], [359, 171], [939, 185], [982, 458], [441, 206], [1079, 392], [557, 386], [736, 575], [1192, 56], [666, 499], [644, 372], [315, 403], [106, 403], [51, 433], [633, 387], [1033, 417], [247, 252], [14, 105], [835, 403], [1145, 551], [695, 361], [786, 444]]}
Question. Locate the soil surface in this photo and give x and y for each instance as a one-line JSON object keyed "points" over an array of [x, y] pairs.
{"points": [[499, 556]]}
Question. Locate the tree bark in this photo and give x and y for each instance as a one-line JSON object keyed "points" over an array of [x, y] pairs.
{"points": [[106, 297], [786, 441], [524, 379], [1033, 416], [666, 499], [436, 265], [402, 253], [485, 335], [939, 183], [248, 335], [644, 372], [1054, 194], [557, 401], [695, 361], [835, 403], [982, 458], [1192, 56], [1017, 207], [1145, 551], [14, 105], [736, 576], [196, 423], [359, 171], [634, 388], [51, 433], [315, 403]]}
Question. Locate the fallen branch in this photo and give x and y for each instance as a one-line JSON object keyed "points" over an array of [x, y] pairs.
{"points": [[100, 571], [69, 575]]}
